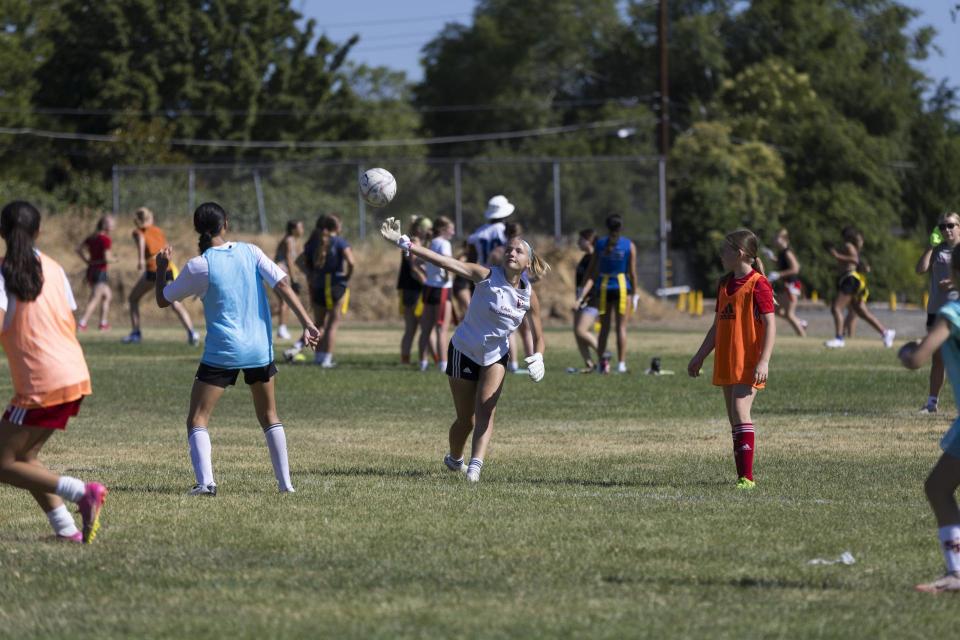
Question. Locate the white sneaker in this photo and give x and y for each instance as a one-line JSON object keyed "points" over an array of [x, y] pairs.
{"points": [[328, 364], [454, 465], [290, 354], [203, 490], [193, 338], [473, 475], [513, 367], [929, 408], [803, 324], [888, 337], [621, 367], [424, 365], [834, 343], [283, 333], [949, 582]]}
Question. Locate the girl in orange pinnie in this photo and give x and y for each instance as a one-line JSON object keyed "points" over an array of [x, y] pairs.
{"points": [[743, 333]]}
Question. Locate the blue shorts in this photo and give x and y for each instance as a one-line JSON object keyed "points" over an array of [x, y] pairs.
{"points": [[950, 443]]}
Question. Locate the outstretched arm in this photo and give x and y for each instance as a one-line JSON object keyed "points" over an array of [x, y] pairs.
{"points": [[390, 230]]}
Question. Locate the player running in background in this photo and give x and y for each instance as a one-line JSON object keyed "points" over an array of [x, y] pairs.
{"points": [[327, 259], [944, 478], [150, 239], [612, 279], [286, 256], [96, 252], [743, 332], [410, 288], [786, 281], [437, 305], [852, 289], [226, 276], [584, 315], [48, 371], [479, 351], [936, 261]]}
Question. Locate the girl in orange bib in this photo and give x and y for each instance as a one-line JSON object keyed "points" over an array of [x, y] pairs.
{"points": [[743, 334], [48, 371]]}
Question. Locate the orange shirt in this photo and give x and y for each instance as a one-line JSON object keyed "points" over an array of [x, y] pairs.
{"points": [[154, 240], [739, 336], [40, 339]]}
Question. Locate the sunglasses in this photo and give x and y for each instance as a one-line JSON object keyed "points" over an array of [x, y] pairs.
{"points": [[946, 225]]}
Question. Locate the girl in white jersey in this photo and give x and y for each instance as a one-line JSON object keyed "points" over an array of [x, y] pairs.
{"points": [[437, 299], [227, 276], [479, 351]]}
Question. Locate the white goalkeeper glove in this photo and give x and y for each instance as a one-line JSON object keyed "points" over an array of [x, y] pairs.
{"points": [[773, 276], [535, 367], [390, 230]]}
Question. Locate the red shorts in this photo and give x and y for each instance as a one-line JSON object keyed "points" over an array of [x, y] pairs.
{"points": [[54, 417]]}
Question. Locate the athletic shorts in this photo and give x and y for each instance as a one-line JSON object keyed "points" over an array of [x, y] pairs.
{"points": [[849, 284], [96, 276], [794, 288], [460, 283], [54, 417], [931, 320], [463, 368], [319, 294], [613, 299], [224, 378], [152, 276], [437, 296], [950, 443], [410, 297]]}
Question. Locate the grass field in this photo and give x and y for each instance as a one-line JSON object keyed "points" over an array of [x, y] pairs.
{"points": [[606, 508]]}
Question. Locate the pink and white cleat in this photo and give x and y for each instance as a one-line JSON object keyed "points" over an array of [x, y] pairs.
{"points": [[76, 537], [89, 506]]}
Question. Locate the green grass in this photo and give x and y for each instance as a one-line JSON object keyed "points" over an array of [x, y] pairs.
{"points": [[606, 509]]}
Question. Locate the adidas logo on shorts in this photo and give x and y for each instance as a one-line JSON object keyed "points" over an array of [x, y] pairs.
{"points": [[467, 370]]}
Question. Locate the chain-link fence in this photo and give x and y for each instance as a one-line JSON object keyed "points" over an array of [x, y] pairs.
{"points": [[553, 196]]}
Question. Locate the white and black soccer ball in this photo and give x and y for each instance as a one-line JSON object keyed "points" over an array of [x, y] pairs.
{"points": [[378, 187]]}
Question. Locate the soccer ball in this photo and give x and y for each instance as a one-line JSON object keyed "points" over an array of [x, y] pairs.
{"points": [[378, 186]]}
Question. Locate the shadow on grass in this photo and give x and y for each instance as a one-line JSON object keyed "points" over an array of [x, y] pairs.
{"points": [[367, 471], [745, 582], [649, 484]]}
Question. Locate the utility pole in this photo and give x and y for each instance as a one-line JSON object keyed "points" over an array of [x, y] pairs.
{"points": [[664, 139]]}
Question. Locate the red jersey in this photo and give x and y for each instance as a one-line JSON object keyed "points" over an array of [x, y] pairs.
{"points": [[98, 244], [762, 292]]}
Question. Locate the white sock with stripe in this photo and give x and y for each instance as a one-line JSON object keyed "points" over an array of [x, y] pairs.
{"points": [[473, 470], [70, 489], [62, 522], [277, 444], [199, 440]]}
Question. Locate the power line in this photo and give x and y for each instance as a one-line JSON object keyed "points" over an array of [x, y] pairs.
{"points": [[301, 144], [367, 23]]}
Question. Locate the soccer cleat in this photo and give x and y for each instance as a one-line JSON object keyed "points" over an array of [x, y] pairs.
{"points": [[203, 490], [621, 367], [76, 537], [473, 475], [834, 343], [454, 465], [282, 491], [104, 326], [133, 338], [949, 582], [328, 364], [81, 326], [804, 324], [888, 337], [745, 484], [929, 408], [290, 355], [95, 495], [193, 338], [283, 333]]}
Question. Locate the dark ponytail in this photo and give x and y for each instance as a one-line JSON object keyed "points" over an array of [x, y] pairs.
{"points": [[209, 220], [22, 273]]}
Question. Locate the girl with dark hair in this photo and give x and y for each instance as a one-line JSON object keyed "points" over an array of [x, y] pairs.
{"points": [[96, 252], [327, 259], [150, 239], [478, 353], [286, 256], [584, 315], [743, 332], [48, 371], [410, 288], [852, 289], [612, 279], [226, 276]]}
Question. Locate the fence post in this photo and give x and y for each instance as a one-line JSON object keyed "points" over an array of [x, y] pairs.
{"points": [[116, 189], [557, 231], [458, 198], [361, 205], [191, 190], [261, 210], [664, 228]]}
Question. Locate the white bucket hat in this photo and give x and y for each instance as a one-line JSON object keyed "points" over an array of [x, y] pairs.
{"points": [[498, 207]]}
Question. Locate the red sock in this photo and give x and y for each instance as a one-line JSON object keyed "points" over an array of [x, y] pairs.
{"points": [[743, 448]]}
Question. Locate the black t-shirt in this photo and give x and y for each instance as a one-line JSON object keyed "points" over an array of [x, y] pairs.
{"points": [[582, 269]]}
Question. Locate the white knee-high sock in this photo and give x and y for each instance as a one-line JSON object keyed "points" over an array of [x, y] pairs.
{"points": [[62, 522], [70, 489], [199, 440], [277, 444]]}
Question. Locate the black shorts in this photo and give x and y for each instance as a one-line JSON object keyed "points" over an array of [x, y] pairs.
{"points": [[224, 378], [319, 295], [460, 283], [931, 320], [849, 285], [463, 368], [613, 299], [152, 276], [410, 297], [95, 277], [435, 295]]}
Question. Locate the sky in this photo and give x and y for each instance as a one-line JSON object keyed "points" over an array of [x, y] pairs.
{"points": [[392, 32]]}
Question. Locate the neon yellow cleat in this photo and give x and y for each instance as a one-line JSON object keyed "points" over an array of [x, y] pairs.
{"points": [[746, 484]]}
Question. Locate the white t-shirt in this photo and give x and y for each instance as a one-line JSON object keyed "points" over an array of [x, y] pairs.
{"points": [[487, 238], [9, 304], [195, 277], [437, 277], [496, 310]]}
